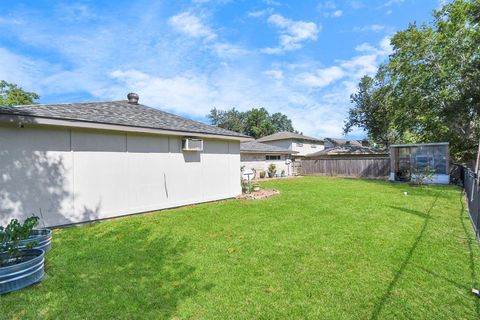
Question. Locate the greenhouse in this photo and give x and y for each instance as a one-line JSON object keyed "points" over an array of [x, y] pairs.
{"points": [[423, 163]]}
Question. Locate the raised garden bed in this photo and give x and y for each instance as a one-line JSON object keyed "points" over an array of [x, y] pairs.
{"points": [[22, 274]]}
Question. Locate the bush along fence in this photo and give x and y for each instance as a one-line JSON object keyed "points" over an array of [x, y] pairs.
{"points": [[472, 193]]}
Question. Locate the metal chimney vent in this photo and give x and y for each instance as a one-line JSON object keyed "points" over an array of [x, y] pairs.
{"points": [[132, 98]]}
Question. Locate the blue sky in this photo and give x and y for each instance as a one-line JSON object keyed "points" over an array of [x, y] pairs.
{"points": [[302, 58]]}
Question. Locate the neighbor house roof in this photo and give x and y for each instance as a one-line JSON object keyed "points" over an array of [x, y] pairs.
{"points": [[123, 113], [257, 147], [348, 150], [341, 142], [283, 135]]}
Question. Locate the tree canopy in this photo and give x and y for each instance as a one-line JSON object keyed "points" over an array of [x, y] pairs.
{"points": [[12, 95], [428, 90], [255, 122]]}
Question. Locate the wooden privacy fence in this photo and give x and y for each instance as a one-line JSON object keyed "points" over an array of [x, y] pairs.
{"points": [[377, 168]]}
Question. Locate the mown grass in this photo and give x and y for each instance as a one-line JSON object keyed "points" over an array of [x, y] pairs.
{"points": [[325, 248]]}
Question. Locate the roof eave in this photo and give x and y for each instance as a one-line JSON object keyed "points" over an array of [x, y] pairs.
{"points": [[44, 121], [268, 152]]}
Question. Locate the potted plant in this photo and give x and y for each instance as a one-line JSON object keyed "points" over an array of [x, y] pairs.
{"points": [[272, 170], [262, 174], [19, 266], [283, 173]]}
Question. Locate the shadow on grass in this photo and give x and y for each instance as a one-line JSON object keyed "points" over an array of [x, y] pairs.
{"points": [[411, 211], [379, 307], [128, 270]]}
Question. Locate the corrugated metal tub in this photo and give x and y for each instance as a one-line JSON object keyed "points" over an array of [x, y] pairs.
{"points": [[23, 274], [43, 237]]}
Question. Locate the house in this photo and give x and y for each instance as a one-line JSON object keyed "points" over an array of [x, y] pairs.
{"points": [[77, 162], [336, 142], [303, 145], [259, 156], [428, 162]]}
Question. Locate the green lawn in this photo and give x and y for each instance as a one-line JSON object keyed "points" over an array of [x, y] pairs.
{"points": [[325, 248]]}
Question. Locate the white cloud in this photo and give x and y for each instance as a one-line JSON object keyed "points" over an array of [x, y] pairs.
{"points": [[321, 78], [370, 28], [329, 9], [191, 25], [355, 4], [275, 74], [18, 69], [228, 50], [292, 33], [337, 13], [392, 2], [259, 13]]}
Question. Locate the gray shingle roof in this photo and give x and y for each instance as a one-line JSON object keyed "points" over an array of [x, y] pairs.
{"points": [[348, 150], [117, 113], [287, 135], [341, 142], [257, 147]]}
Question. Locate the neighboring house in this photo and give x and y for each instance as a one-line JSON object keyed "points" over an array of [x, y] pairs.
{"points": [[259, 156], [335, 142], [77, 162], [303, 145]]}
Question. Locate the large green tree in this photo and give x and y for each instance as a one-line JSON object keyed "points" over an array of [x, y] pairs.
{"points": [[12, 95], [256, 122], [428, 90]]}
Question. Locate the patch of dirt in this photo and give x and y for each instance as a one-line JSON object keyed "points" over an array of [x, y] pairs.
{"points": [[262, 194]]}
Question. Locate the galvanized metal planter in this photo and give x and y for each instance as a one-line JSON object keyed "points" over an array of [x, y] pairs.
{"points": [[22, 274], [43, 237]]}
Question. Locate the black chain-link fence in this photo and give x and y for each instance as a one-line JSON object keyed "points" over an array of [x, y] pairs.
{"points": [[472, 192]]}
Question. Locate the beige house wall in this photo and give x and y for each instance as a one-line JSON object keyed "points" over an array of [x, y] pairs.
{"points": [[259, 163], [74, 175], [308, 147]]}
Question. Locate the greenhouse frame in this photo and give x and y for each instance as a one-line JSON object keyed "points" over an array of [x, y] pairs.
{"points": [[424, 163]]}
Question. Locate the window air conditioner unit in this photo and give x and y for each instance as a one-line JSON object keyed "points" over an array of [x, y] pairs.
{"points": [[192, 144]]}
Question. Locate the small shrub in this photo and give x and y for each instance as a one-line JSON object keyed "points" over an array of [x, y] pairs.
{"points": [[10, 237], [272, 170], [421, 176], [283, 173]]}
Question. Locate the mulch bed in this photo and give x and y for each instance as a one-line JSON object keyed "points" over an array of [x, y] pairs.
{"points": [[262, 194]]}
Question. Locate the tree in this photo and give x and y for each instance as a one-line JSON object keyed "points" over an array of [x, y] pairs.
{"points": [[256, 122], [12, 95], [373, 111], [428, 89], [281, 122]]}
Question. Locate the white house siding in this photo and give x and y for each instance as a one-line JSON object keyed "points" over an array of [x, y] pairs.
{"points": [[308, 147], [258, 162], [69, 176], [290, 144]]}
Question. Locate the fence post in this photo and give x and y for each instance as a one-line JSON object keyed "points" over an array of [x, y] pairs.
{"points": [[476, 201]]}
